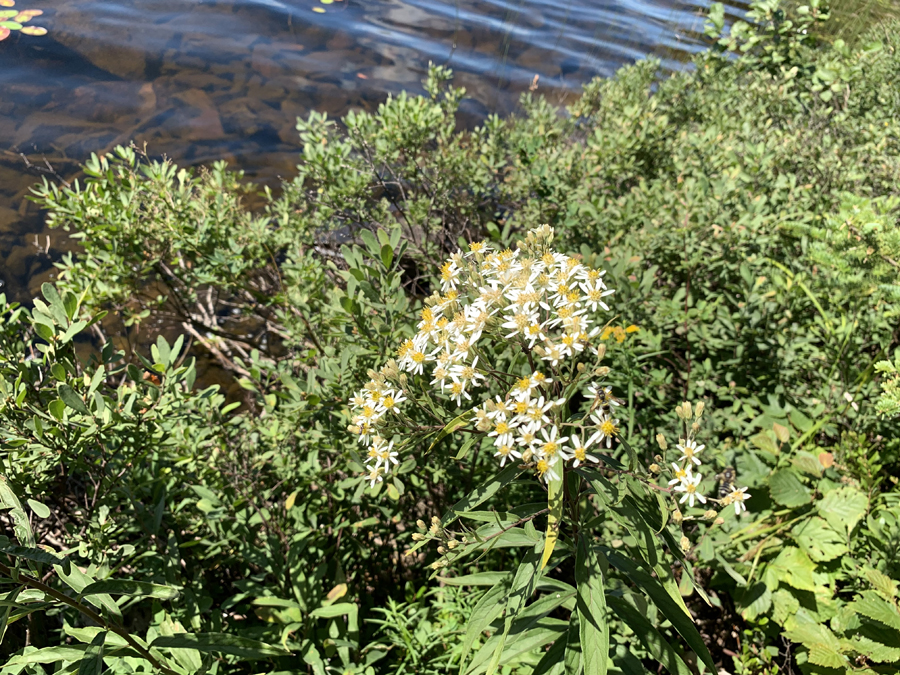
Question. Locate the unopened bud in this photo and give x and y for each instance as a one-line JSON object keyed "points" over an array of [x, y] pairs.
{"points": [[580, 368], [438, 564], [539, 350], [657, 458], [452, 544], [403, 379], [709, 515], [654, 468], [353, 429], [601, 352], [695, 427], [527, 455], [685, 544], [420, 524], [661, 440], [435, 521], [677, 516], [687, 410], [699, 410], [418, 536], [442, 550], [718, 521], [602, 371]]}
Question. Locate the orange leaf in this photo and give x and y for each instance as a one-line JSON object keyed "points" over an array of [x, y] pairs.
{"points": [[826, 459], [7, 3], [4, 33]]}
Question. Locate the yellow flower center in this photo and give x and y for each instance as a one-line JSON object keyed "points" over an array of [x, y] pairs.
{"points": [[551, 448], [579, 454], [608, 428]]}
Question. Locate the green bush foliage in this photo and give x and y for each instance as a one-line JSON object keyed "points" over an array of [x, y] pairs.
{"points": [[744, 209]]}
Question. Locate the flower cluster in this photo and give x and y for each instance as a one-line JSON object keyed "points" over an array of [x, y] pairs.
{"points": [[533, 303], [684, 479]]}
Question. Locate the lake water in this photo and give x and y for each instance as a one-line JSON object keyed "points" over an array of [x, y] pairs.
{"points": [[205, 80]]}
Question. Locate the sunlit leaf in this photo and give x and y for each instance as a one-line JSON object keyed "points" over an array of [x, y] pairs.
{"points": [[34, 30], [318, 10], [12, 25], [7, 3]]}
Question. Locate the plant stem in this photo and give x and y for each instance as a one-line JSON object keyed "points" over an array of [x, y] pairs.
{"points": [[89, 613]]}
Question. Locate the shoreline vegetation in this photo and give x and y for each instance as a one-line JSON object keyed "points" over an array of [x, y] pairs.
{"points": [[715, 253]]}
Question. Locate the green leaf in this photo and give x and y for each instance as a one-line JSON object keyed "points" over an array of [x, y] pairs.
{"points": [[843, 508], [9, 602], [555, 505], [593, 626], [21, 524], [652, 640], [57, 408], [881, 582], [482, 493], [49, 655], [131, 588], [522, 587], [451, 426], [92, 663], [787, 490], [387, 256], [793, 567], [488, 608], [870, 604], [40, 510], [32, 553], [219, 643], [683, 623], [71, 399], [818, 540]]}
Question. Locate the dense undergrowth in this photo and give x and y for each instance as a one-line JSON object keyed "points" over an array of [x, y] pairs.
{"points": [[746, 213]]}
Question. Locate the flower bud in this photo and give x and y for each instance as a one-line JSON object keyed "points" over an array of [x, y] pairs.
{"points": [[418, 536], [438, 564], [539, 350], [602, 371], [452, 544], [685, 544], [718, 521], [677, 516], [654, 468], [699, 410], [601, 352], [403, 379], [420, 524], [580, 368], [695, 427], [661, 440], [527, 455], [442, 550], [709, 515], [435, 521], [353, 429]]}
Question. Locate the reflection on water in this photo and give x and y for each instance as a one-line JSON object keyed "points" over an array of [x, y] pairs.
{"points": [[208, 80]]}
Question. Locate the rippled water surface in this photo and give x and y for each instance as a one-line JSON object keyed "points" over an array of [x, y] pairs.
{"points": [[205, 80]]}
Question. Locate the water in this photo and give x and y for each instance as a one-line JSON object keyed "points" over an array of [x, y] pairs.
{"points": [[207, 80]]}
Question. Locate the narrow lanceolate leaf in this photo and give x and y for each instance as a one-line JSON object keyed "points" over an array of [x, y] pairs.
{"points": [[555, 506], [49, 655], [29, 553], [522, 588], [488, 608], [92, 663], [9, 602], [219, 643], [132, 588], [483, 492], [593, 627], [650, 638], [453, 425], [683, 623]]}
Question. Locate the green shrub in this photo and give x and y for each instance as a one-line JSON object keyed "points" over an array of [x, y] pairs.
{"points": [[720, 201]]}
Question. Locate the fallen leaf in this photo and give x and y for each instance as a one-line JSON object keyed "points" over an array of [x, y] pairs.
{"points": [[826, 459]]}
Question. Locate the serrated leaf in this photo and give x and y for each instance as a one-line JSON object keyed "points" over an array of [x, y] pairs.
{"points": [[870, 604], [818, 540], [786, 489], [874, 651], [881, 582], [794, 567], [843, 508]]}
